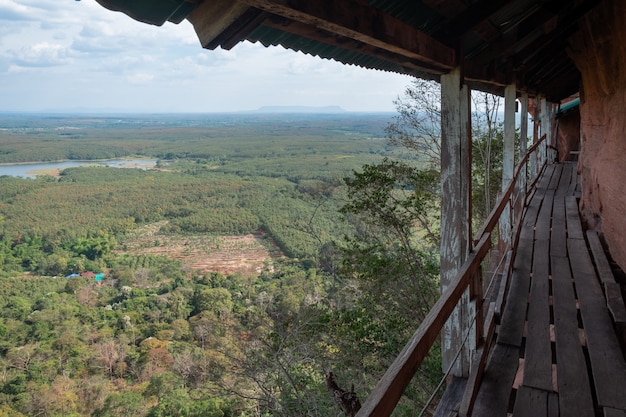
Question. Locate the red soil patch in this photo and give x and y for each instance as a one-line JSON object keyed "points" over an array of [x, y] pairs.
{"points": [[205, 253]]}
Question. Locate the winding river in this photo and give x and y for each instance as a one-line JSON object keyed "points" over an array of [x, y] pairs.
{"points": [[31, 170]]}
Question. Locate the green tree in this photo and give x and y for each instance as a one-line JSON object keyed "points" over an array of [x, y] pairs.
{"points": [[124, 404], [416, 127], [215, 300]]}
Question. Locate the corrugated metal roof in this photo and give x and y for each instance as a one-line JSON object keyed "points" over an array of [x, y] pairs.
{"points": [[274, 37], [496, 41], [414, 13]]}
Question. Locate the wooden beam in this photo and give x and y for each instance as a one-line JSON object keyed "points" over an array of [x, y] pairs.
{"points": [[211, 18], [370, 26], [508, 157], [455, 212], [524, 124], [508, 163], [476, 15]]}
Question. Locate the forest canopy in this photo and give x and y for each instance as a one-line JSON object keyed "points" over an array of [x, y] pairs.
{"points": [[261, 252]]}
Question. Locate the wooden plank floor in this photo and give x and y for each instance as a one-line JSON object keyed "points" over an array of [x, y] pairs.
{"points": [[556, 353]]}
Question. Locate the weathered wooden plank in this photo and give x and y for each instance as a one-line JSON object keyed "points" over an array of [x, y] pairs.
{"points": [[493, 397], [455, 215], [607, 363], [538, 363], [556, 177], [558, 235], [449, 403], [612, 290], [572, 378], [542, 227], [512, 327], [527, 231], [478, 365], [504, 285], [599, 257], [573, 186], [574, 229], [612, 412], [211, 18], [565, 182], [615, 302], [553, 405], [530, 218], [531, 402]]}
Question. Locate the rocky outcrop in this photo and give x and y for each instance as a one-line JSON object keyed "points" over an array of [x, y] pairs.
{"points": [[599, 51], [568, 140]]}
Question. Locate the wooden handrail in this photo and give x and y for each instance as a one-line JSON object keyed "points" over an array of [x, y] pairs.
{"points": [[387, 393], [497, 210], [390, 388]]}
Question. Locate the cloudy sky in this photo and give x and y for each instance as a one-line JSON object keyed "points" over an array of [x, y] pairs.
{"points": [[66, 55]]}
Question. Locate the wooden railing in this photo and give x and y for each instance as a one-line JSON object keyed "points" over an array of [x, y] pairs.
{"points": [[390, 388]]}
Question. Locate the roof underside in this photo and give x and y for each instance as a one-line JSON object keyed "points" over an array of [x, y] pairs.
{"points": [[496, 42]]}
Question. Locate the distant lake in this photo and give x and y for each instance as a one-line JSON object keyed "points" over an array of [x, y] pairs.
{"points": [[31, 170]]}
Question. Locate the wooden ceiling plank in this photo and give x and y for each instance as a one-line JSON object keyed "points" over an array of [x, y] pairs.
{"points": [[211, 18], [476, 15], [447, 8], [373, 27], [241, 28]]}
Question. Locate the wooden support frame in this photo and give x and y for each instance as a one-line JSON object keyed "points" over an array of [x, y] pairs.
{"points": [[455, 215], [390, 388], [211, 18], [508, 162], [355, 21], [545, 129]]}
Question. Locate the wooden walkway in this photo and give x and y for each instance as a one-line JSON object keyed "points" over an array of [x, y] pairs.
{"points": [[556, 351]]}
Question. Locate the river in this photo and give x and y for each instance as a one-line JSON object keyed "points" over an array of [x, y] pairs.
{"points": [[31, 170]]}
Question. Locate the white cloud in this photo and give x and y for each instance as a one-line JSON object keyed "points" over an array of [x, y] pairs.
{"points": [[69, 54], [43, 54], [140, 78]]}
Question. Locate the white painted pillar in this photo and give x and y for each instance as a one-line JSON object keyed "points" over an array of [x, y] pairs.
{"points": [[523, 180], [455, 216], [534, 165], [524, 124], [545, 130], [508, 161], [554, 139]]}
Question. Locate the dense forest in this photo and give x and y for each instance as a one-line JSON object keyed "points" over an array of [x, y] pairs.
{"points": [[159, 336], [260, 253]]}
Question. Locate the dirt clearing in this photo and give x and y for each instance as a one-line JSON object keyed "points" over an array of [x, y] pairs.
{"points": [[205, 253]]}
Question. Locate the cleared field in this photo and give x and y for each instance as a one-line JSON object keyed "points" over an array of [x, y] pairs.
{"points": [[224, 254]]}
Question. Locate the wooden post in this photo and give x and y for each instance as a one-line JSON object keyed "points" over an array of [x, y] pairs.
{"points": [[524, 124], [508, 162], [455, 215], [554, 139], [534, 166], [523, 180], [545, 130]]}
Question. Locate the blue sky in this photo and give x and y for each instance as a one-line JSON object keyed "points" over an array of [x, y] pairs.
{"points": [[66, 55]]}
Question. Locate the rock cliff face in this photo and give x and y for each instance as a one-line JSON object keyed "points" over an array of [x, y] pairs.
{"points": [[600, 54], [569, 135]]}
